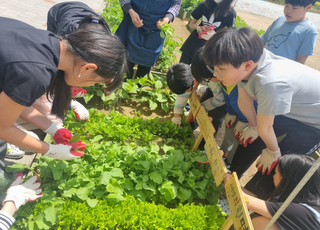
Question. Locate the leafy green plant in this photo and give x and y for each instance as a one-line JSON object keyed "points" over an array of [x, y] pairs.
{"points": [[128, 214], [190, 5], [167, 56], [113, 14], [241, 23]]}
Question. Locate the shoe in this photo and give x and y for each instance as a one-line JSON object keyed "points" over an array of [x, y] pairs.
{"points": [[77, 92], [13, 152]]}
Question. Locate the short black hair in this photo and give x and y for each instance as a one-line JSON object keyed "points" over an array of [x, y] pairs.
{"points": [[303, 3], [199, 69], [179, 78], [233, 46]]}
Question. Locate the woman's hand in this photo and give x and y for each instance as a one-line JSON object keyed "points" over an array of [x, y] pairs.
{"points": [[135, 18], [162, 22]]}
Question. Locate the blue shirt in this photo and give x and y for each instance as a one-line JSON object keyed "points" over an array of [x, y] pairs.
{"points": [[290, 39]]}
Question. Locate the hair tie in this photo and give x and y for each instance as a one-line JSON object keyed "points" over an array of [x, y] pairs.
{"points": [[95, 21]]}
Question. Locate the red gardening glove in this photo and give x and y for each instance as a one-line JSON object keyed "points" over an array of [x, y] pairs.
{"points": [[68, 151], [268, 160], [62, 136], [77, 148], [59, 134], [77, 92]]}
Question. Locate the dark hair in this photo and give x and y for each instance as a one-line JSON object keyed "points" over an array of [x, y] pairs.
{"points": [[303, 3], [90, 21], [179, 78], [219, 10], [292, 168], [233, 46], [199, 68], [94, 46]]}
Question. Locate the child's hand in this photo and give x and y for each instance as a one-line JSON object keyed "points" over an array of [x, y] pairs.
{"points": [[268, 160], [230, 120], [240, 126], [249, 135], [177, 121]]}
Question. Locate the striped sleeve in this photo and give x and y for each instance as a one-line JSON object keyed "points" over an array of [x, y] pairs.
{"points": [[181, 102], [5, 220], [174, 9], [218, 98]]}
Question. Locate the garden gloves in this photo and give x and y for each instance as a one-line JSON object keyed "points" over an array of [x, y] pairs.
{"points": [[20, 192], [230, 120], [77, 92], [206, 32], [68, 151], [79, 110], [268, 160], [177, 121], [240, 126], [248, 135], [59, 134]]}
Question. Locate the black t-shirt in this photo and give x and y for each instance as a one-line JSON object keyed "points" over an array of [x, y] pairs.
{"points": [[29, 59], [193, 42], [64, 18], [295, 217]]}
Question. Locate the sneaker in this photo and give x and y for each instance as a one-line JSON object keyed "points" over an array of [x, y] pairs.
{"points": [[13, 152]]}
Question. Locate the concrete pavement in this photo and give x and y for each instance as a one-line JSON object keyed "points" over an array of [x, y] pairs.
{"points": [[34, 12], [270, 10]]}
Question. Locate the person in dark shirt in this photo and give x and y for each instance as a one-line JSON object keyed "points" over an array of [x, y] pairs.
{"points": [[34, 62], [303, 212]]}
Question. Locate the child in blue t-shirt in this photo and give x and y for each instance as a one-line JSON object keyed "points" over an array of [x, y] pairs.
{"points": [[293, 35]]}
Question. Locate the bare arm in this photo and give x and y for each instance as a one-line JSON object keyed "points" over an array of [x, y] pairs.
{"points": [[8, 132], [257, 205], [266, 131], [193, 24], [302, 58], [245, 103], [33, 116]]}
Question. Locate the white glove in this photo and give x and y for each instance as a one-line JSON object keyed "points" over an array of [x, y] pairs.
{"points": [[177, 121], [229, 120], [59, 134], [268, 160], [206, 35], [63, 152], [20, 193], [79, 110], [248, 135], [201, 90], [240, 126]]}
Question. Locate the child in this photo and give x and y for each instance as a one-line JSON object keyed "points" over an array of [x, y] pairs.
{"points": [[180, 81], [214, 15], [62, 19], [287, 94], [235, 121], [18, 194], [40, 62], [303, 212], [292, 36]]}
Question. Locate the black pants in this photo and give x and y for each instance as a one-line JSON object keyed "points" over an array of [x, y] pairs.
{"points": [[300, 139], [141, 71], [185, 59]]}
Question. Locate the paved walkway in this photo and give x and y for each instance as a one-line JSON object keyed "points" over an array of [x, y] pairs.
{"points": [[34, 12], [270, 10]]}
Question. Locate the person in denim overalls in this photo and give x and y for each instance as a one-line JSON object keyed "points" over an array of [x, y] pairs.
{"points": [[140, 30]]}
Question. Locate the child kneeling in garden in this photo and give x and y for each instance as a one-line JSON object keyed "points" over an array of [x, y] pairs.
{"points": [[288, 99], [303, 212]]}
